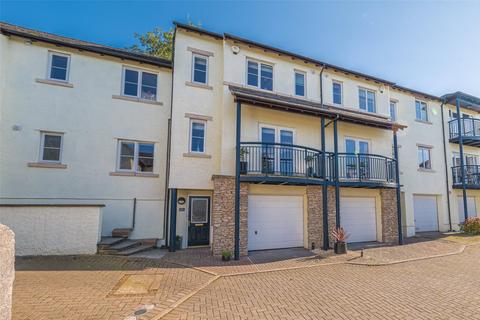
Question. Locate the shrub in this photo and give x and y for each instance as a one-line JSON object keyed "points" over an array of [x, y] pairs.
{"points": [[340, 235], [471, 226], [226, 255]]}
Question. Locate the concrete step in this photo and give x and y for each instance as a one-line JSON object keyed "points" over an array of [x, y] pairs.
{"points": [[136, 249], [126, 244], [107, 242], [121, 232]]}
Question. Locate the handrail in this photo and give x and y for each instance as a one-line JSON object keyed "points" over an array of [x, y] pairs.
{"points": [[470, 127], [280, 159], [472, 174]]}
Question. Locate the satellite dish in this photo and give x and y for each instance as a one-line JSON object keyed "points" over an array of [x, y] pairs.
{"points": [[235, 49]]}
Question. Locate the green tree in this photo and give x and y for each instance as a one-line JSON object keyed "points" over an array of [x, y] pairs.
{"points": [[157, 43]]}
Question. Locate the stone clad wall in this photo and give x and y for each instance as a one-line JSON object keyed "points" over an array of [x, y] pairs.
{"points": [[7, 271], [315, 215], [389, 215], [223, 215]]}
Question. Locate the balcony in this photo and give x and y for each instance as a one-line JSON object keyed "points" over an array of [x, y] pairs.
{"points": [[472, 176], [277, 163], [470, 131]]}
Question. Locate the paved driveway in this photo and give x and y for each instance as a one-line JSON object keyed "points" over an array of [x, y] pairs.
{"points": [[282, 285]]}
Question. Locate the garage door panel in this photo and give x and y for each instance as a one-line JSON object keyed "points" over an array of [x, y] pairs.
{"points": [[275, 222], [358, 218], [425, 213]]}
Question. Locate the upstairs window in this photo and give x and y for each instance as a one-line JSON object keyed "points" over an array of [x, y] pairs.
{"points": [[421, 111], [299, 83], [337, 93], [58, 66], [424, 159], [366, 100], [135, 156], [51, 147], [393, 110], [197, 136], [140, 84], [200, 69], [259, 75]]}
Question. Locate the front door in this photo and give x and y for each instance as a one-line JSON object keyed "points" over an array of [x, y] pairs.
{"points": [[199, 221]]}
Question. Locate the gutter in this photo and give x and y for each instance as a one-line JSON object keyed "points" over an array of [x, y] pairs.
{"points": [[447, 183]]}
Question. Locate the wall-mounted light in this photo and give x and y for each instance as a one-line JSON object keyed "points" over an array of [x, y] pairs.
{"points": [[181, 200]]}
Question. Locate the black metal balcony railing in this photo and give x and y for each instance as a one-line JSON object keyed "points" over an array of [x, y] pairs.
{"points": [[366, 167], [471, 178], [283, 160], [470, 128], [280, 160]]}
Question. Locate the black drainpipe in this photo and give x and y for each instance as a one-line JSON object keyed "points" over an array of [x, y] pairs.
{"points": [[447, 183], [325, 228]]}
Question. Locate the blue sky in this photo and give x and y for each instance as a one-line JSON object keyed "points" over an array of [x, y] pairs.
{"points": [[428, 46]]}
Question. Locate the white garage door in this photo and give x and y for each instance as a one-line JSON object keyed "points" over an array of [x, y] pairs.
{"points": [[471, 208], [357, 217], [275, 222], [425, 212]]}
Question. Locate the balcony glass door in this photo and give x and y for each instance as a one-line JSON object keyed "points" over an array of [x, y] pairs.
{"points": [[277, 158], [472, 175], [286, 153], [357, 165], [268, 150]]}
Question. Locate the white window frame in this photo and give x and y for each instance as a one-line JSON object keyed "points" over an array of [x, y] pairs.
{"points": [[277, 129], [429, 157], [426, 111], [304, 74], [341, 93], [193, 68], [49, 69], [135, 155], [366, 97], [259, 63], [204, 122], [139, 83], [357, 144], [395, 111], [42, 144]]}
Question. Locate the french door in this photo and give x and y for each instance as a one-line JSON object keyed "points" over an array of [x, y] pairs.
{"points": [[356, 164], [277, 158]]}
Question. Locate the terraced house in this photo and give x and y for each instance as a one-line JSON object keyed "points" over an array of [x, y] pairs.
{"points": [[236, 145]]}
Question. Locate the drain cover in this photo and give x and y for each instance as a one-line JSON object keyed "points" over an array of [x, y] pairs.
{"points": [[137, 284]]}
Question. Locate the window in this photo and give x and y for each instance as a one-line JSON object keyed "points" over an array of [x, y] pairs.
{"points": [[421, 111], [393, 110], [300, 84], [337, 92], [197, 136], [51, 147], [259, 75], [366, 100], [58, 66], [424, 160], [135, 156], [200, 69], [140, 84], [199, 209]]}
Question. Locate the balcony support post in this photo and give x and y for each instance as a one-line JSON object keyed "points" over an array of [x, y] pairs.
{"points": [[397, 178], [462, 164], [326, 245], [237, 181], [173, 220], [336, 174]]}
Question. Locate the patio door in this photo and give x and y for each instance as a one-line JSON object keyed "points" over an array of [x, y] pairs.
{"points": [[199, 221], [471, 170], [356, 163], [277, 158]]}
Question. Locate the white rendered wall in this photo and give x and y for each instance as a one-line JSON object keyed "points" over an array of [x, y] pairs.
{"points": [[53, 230]]}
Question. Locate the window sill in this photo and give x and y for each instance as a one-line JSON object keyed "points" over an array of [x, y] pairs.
{"points": [[47, 165], [198, 85], [133, 99], [422, 121], [426, 170], [134, 174], [55, 82], [197, 155]]}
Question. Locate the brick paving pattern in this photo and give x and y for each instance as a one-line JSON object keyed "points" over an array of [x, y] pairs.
{"points": [[440, 288], [81, 287]]}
